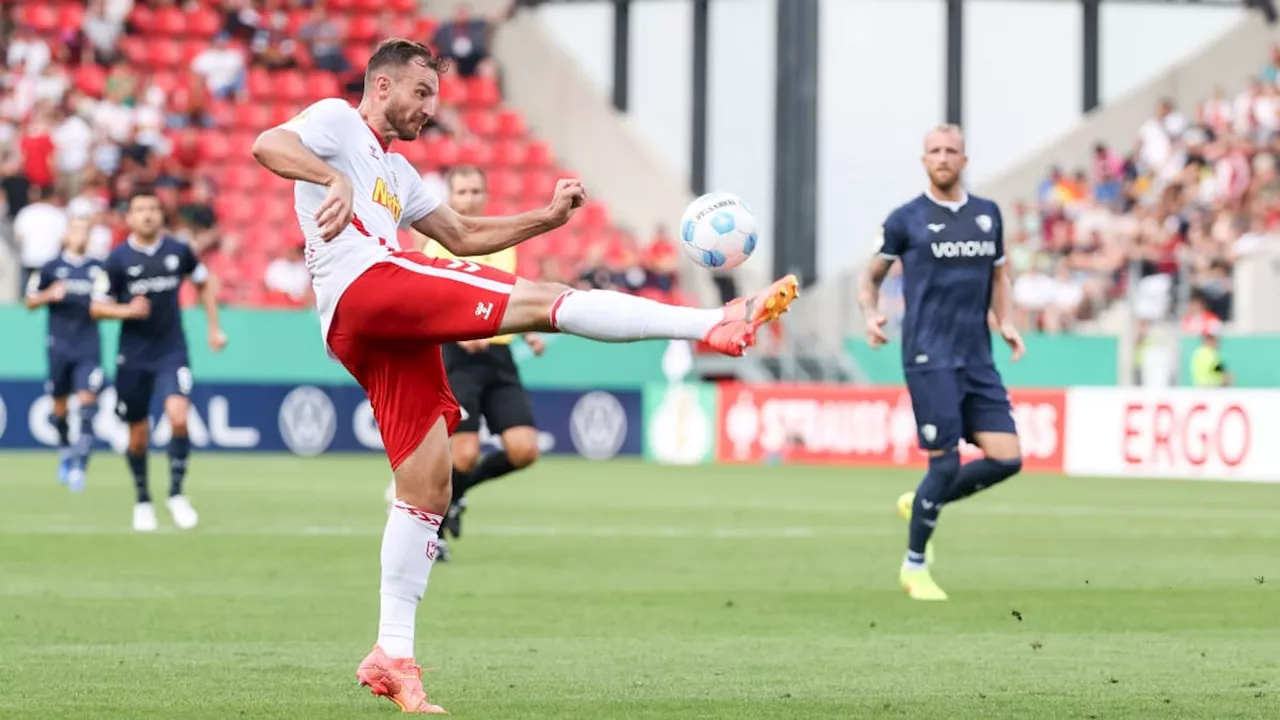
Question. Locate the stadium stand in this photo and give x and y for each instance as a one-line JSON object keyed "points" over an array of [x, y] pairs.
{"points": [[103, 96], [1197, 192]]}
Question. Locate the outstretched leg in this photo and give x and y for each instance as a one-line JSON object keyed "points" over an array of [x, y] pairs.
{"points": [[609, 316]]}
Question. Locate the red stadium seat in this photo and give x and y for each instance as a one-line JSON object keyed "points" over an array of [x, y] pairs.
{"points": [[203, 22], [170, 21], [538, 155], [240, 145], [253, 116], [70, 15], [321, 84], [505, 184], [339, 7], [261, 83], [442, 151], [165, 53], [509, 153], [91, 79], [475, 153], [134, 49], [418, 153], [425, 28], [42, 18], [453, 90], [539, 184], [359, 55], [142, 18], [481, 121], [403, 6], [595, 216], [363, 28], [482, 91], [291, 85], [214, 146], [166, 80], [238, 177], [190, 49], [511, 124]]}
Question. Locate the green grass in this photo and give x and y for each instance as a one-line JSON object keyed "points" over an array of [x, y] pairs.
{"points": [[626, 591]]}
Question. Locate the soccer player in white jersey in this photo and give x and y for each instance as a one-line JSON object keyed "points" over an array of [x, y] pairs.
{"points": [[385, 311]]}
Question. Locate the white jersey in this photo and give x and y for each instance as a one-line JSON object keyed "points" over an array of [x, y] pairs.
{"points": [[388, 194]]}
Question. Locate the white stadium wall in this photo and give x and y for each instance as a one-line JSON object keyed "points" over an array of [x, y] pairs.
{"points": [[882, 84]]}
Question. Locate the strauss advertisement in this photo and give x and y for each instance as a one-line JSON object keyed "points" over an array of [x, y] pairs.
{"points": [[862, 426]]}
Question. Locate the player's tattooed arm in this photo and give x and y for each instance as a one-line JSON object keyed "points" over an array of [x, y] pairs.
{"points": [[471, 236], [869, 298]]}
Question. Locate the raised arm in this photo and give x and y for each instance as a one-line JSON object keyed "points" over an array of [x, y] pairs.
{"points": [[470, 236], [297, 150]]}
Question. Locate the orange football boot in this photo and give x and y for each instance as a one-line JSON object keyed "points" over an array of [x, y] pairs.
{"points": [[399, 680], [744, 315]]}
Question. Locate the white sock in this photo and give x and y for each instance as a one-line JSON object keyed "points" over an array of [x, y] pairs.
{"points": [[408, 549], [913, 563], [616, 317]]}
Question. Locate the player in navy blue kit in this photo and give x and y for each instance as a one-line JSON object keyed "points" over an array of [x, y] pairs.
{"points": [[951, 246], [140, 286], [65, 285]]}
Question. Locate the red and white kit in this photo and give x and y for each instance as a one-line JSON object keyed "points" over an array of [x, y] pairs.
{"points": [[384, 311]]}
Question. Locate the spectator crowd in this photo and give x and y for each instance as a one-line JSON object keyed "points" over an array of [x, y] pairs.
{"points": [[92, 108], [1198, 190]]}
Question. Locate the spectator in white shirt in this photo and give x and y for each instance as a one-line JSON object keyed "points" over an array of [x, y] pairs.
{"points": [[102, 32], [72, 139], [288, 274], [38, 230], [222, 67], [28, 51]]}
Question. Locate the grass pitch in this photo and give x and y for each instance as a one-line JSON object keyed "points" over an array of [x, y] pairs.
{"points": [[628, 591]]}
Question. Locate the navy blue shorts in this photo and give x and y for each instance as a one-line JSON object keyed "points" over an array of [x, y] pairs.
{"points": [[72, 374], [955, 403], [137, 384]]}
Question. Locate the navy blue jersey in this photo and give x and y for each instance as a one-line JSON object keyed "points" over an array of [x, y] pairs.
{"points": [[73, 334], [949, 253], [156, 272]]}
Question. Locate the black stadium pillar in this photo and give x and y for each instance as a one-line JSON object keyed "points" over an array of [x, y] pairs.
{"points": [[955, 61], [621, 53], [1090, 53], [698, 131], [795, 189]]}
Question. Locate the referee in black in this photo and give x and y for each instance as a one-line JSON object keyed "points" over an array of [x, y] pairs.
{"points": [[484, 377]]}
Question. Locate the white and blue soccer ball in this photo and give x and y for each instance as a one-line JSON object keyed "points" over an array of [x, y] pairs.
{"points": [[718, 231]]}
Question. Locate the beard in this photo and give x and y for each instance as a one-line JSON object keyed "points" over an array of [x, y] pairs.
{"points": [[944, 180]]}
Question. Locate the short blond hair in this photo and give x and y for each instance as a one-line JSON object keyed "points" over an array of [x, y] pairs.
{"points": [[949, 129]]}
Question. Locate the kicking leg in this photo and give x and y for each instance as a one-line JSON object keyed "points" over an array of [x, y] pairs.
{"points": [[1003, 460], [177, 408], [609, 316]]}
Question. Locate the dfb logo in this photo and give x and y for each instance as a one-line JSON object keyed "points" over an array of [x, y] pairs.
{"points": [[308, 421], [598, 425]]}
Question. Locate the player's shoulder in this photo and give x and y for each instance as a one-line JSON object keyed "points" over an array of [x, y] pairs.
{"points": [[904, 212], [119, 254], [330, 111], [984, 204]]}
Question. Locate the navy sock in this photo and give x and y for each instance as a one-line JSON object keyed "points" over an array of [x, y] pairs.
{"points": [[138, 466], [930, 496], [980, 475], [179, 448], [64, 429], [85, 442]]}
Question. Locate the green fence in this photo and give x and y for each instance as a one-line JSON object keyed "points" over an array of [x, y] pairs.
{"points": [[280, 346]]}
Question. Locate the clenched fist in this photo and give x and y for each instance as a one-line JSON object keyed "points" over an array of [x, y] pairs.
{"points": [[569, 196]]}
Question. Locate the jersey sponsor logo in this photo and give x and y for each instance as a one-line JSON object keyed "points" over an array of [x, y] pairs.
{"points": [[307, 421], [598, 425], [384, 196], [968, 249], [151, 285], [78, 286]]}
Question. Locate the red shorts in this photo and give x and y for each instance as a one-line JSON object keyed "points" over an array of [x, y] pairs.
{"points": [[388, 328]]}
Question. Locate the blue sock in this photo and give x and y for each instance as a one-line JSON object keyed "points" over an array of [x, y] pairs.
{"points": [[85, 442], [64, 430], [138, 466], [179, 449], [980, 475], [930, 496]]}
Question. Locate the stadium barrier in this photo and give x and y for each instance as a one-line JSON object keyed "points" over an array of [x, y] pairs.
{"points": [[309, 420], [1111, 432]]}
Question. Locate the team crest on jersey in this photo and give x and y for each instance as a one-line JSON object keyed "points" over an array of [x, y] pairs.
{"points": [[171, 263], [385, 197], [984, 223]]}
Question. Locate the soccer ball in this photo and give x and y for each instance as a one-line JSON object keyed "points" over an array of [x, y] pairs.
{"points": [[718, 231]]}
